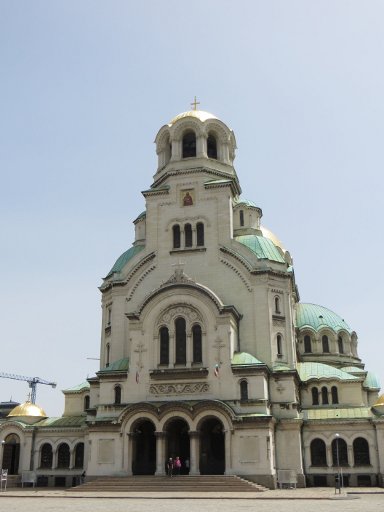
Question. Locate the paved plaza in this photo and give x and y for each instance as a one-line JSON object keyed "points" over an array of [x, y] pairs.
{"points": [[300, 500]]}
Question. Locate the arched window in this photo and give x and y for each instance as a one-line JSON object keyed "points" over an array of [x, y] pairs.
{"points": [[199, 234], [188, 235], [277, 305], [164, 346], [340, 345], [197, 344], [325, 343], [243, 390], [181, 338], [361, 452], [176, 236], [189, 144], [117, 395], [108, 350], [315, 396], [212, 147], [86, 402], [279, 344], [46, 456], [324, 395], [318, 453], [307, 344], [63, 456], [335, 395], [79, 455], [241, 217], [339, 452]]}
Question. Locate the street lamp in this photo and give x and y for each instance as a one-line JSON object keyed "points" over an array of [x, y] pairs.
{"points": [[339, 476]]}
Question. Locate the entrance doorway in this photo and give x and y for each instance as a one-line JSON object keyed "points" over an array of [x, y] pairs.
{"points": [[178, 443], [144, 448], [212, 447], [11, 454]]}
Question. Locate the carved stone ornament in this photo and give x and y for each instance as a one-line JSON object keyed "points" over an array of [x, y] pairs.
{"points": [[179, 389], [175, 311]]}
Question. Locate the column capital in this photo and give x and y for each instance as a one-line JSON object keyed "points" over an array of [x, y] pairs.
{"points": [[194, 434], [160, 434]]}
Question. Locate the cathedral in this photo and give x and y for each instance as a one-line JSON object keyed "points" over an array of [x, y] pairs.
{"points": [[206, 351]]}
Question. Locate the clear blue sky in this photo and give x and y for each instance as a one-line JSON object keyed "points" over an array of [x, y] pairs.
{"points": [[85, 86]]}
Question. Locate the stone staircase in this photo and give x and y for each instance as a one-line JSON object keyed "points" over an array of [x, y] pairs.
{"points": [[182, 483]]}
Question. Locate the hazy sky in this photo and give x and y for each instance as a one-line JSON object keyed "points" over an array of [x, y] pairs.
{"points": [[84, 88]]}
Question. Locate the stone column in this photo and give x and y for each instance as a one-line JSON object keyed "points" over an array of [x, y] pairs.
{"points": [[201, 146], [227, 447], [130, 436], [189, 350], [194, 452], [160, 451], [329, 456], [172, 354]]}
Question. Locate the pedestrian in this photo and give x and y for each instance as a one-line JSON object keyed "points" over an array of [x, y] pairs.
{"points": [[170, 466], [177, 466]]}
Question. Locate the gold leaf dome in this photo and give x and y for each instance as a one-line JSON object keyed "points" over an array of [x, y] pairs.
{"points": [[378, 406], [268, 234], [199, 114], [27, 409]]}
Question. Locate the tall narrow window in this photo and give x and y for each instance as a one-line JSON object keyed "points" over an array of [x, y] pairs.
{"points": [[335, 395], [212, 147], [307, 344], [109, 315], [197, 344], [339, 452], [241, 218], [63, 456], [117, 395], [243, 390], [315, 396], [277, 305], [361, 452], [176, 236], [189, 144], [340, 345], [324, 395], [79, 455], [325, 343], [86, 402], [188, 235], [279, 345], [46, 456], [199, 234], [164, 346], [108, 350], [181, 338], [318, 453]]}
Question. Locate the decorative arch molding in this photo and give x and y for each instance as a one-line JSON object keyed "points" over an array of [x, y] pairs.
{"points": [[183, 220], [139, 281], [238, 273], [183, 125], [11, 427], [163, 136], [218, 128], [169, 315]]}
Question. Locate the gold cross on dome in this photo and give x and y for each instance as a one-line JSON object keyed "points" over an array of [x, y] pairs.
{"points": [[195, 103]]}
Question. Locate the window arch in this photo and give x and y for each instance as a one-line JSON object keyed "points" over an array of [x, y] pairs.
{"points": [[79, 455], [279, 345], [164, 345], [181, 339], [339, 452], [188, 235], [108, 350], [335, 395], [324, 395], [46, 456], [241, 217], [318, 453], [361, 452], [315, 396], [340, 345], [212, 146], [117, 391], [197, 346], [189, 144], [176, 236], [307, 344], [63, 456], [325, 343], [277, 305], [199, 234], [86, 402], [243, 390]]}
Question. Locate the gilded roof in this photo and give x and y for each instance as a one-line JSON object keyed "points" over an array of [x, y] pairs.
{"points": [[319, 317], [198, 114], [309, 371], [27, 409]]}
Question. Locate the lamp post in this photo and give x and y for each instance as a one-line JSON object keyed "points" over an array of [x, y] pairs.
{"points": [[339, 475], [1, 453]]}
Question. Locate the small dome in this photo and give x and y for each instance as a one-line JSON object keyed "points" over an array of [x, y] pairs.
{"points": [[317, 317], [268, 234], [378, 406], [27, 409], [199, 114]]}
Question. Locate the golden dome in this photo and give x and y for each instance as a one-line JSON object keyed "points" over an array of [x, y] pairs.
{"points": [[378, 406], [199, 114], [27, 409], [268, 234]]}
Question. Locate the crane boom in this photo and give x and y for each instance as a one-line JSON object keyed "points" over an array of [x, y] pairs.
{"points": [[32, 382]]}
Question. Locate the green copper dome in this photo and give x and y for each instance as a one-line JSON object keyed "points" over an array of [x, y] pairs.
{"points": [[243, 358], [123, 259], [263, 247], [309, 371], [318, 317]]}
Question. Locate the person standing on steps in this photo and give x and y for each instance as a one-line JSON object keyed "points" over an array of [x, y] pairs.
{"points": [[177, 465], [170, 466]]}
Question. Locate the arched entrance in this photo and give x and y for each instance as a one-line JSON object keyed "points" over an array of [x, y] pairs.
{"points": [[178, 442], [212, 447], [143, 448], [11, 454]]}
